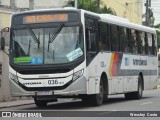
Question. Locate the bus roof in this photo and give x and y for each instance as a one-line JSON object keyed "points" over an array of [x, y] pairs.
{"points": [[121, 22], [103, 17]]}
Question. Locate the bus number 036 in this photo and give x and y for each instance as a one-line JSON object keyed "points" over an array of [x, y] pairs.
{"points": [[52, 82]]}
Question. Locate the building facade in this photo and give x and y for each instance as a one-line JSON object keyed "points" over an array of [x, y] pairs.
{"points": [[5, 14], [33, 4], [129, 9], [46, 4], [5, 18]]}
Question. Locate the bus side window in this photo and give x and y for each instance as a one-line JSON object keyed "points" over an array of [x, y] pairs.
{"points": [[133, 45], [123, 40], [154, 51], [146, 44], [104, 42], [114, 38], [91, 39], [150, 43], [139, 41], [128, 38], [143, 43]]}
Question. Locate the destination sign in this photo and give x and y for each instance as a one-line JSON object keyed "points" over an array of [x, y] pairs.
{"points": [[45, 18]]}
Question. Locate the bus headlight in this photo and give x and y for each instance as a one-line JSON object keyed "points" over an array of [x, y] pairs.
{"points": [[13, 77], [78, 74]]}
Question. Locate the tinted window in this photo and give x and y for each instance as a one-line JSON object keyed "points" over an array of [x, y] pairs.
{"points": [[141, 42], [133, 45], [153, 45], [104, 43], [146, 44], [150, 43], [91, 34], [114, 38], [139, 38], [123, 39]]}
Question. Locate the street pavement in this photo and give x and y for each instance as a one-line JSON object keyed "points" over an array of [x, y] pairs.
{"points": [[28, 102], [15, 103], [150, 102]]}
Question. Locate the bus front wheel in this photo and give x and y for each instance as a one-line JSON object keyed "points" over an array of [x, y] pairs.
{"points": [[97, 99]]}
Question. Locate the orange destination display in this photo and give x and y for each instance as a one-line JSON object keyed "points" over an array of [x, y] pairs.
{"points": [[45, 18]]}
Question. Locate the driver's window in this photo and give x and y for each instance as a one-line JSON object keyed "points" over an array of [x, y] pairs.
{"points": [[91, 39]]}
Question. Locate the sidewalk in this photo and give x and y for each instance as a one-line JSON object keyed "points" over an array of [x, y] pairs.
{"points": [[15, 103]]}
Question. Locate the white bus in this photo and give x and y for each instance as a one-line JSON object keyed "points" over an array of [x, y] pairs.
{"points": [[65, 53]]}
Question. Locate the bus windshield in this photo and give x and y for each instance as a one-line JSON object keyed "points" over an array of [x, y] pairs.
{"points": [[46, 45]]}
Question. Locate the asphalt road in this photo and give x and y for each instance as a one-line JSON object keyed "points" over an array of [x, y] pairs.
{"points": [[150, 102]]}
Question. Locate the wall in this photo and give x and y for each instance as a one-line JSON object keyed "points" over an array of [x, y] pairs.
{"points": [[130, 9], [5, 2], [41, 4], [4, 19], [22, 3], [4, 82]]}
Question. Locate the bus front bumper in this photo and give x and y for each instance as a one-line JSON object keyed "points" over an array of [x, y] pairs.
{"points": [[76, 87]]}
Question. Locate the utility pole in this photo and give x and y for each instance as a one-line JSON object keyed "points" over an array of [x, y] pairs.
{"points": [[75, 3], [98, 6], [149, 4], [149, 12], [147, 16]]}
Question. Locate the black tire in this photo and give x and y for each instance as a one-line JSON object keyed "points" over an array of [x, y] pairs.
{"points": [[40, 103], [97, 99], [85, 98], [138, 94], [129, 96]]}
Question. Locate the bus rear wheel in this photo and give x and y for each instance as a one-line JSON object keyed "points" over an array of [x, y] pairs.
{"points": [[138, 94], [40, 103]]}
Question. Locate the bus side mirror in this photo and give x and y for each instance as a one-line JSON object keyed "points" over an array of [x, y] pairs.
{"points": [[2, 43]]}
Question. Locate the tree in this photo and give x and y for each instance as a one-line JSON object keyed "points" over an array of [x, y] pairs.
{"points": [[91, 5], [158, 33]]}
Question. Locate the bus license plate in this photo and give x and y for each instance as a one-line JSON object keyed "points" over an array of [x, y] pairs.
{"points": [[45, 93]]}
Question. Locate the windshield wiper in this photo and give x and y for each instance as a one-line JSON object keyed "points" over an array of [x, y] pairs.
{"points": [[29, 47], [54, 35], [33, 35]]}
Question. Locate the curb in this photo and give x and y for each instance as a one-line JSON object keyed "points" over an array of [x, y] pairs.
{"points": [[15, 103]]}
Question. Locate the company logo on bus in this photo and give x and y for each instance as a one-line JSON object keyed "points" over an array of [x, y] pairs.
{"points": [[139, 62], [126, 61], [32, 83]]}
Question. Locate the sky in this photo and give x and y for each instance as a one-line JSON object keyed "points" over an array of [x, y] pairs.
{"points": [[156, 10], [155, 5]]}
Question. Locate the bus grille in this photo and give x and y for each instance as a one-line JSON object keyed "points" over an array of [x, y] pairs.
{"points": [[46, 71]]}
